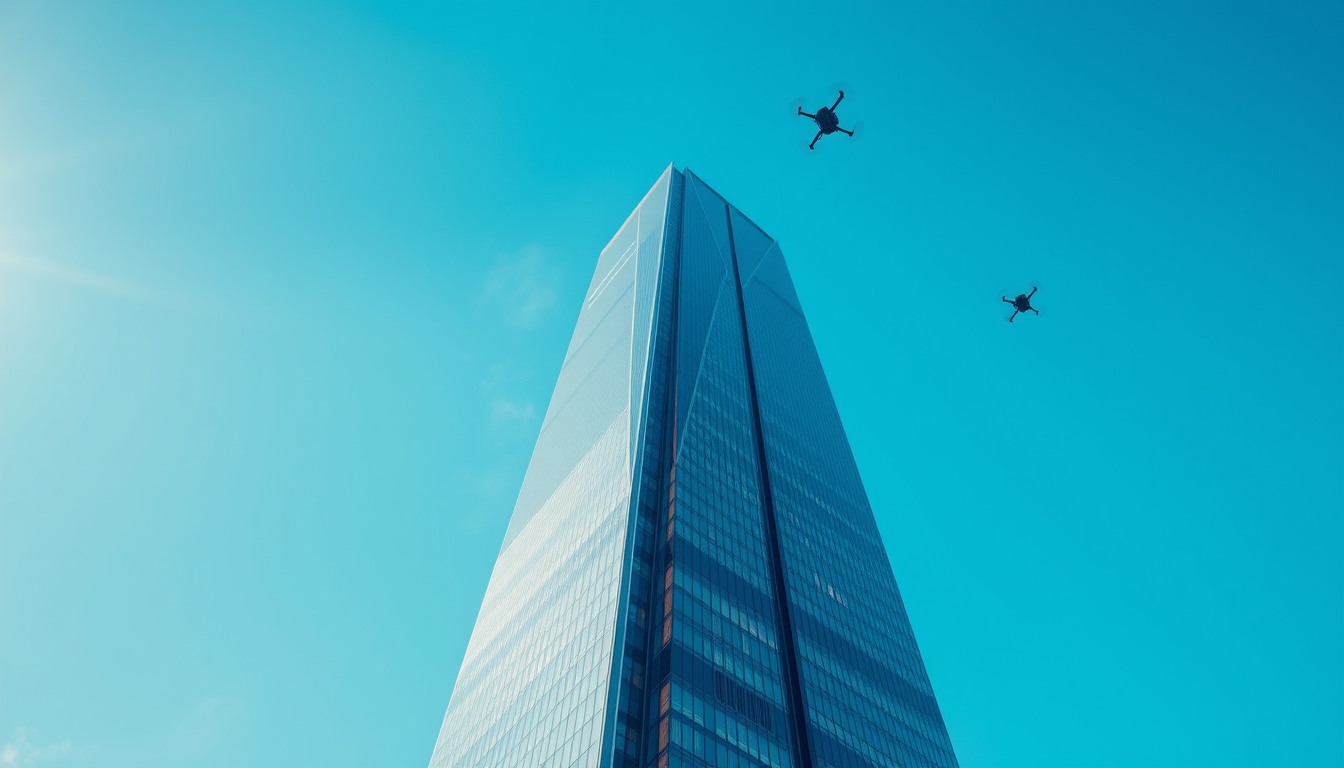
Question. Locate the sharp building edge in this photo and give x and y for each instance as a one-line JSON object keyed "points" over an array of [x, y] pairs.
{"points": [[692, 575]]}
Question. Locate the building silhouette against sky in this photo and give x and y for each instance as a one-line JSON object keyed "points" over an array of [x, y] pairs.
{"points": [[692, 575]]}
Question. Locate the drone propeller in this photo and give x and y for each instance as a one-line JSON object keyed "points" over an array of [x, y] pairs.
{"points": [[842, 111], [804, 127], [841, 85]]}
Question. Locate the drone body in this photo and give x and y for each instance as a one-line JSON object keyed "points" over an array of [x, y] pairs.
{"points": [[1022, 303], [826, 120]]}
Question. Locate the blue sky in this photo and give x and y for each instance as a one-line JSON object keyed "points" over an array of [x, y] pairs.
{"points": [[284, 289]]}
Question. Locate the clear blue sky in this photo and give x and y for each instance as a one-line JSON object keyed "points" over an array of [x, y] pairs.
{"points": [[284, 289]]}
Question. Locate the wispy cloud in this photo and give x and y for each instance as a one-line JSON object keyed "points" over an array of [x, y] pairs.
{"points": [[522, 285], [203, 728], [19, 751], [506, 411], [113, 286]]}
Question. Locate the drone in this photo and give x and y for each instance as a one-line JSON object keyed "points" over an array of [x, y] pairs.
{"points": [[1022, 303], [827, 122]]}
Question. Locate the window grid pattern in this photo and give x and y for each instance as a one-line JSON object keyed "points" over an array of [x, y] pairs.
{"points": [[725, 690], [628, 720], [535, 681]]}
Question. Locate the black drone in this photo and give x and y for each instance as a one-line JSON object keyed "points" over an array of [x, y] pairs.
{"points": [[827, 122], [1022, 303]]}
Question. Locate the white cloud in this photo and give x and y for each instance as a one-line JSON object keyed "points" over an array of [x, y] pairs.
{"points": [[506, 411], [522, 285], [19, 751], [203, 728]]}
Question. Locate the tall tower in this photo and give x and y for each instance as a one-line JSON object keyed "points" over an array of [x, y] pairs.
{"points": [[692, 575]]}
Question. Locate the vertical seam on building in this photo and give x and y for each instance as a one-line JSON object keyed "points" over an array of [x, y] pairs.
{"points": [[670, 257], [799, 716], [669, 439]]}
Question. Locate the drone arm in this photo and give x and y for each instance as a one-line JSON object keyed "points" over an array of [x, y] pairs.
{"points": [[1005, 300], [804, 114], [1014, 315], [1033, 292], [842, 130], [837, 101], [814, 140]]}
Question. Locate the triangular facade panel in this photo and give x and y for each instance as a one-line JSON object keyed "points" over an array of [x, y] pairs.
{"points": [[701, 282], [749, 243]]}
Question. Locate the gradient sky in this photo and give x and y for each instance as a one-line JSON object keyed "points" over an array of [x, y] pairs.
{"points": [[285, 287]]}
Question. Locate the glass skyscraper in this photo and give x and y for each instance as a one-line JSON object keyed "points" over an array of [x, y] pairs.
{"points": [[692, 575]]}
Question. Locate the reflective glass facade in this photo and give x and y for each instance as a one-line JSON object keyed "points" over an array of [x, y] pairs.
{"points": [[692, 575]]}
